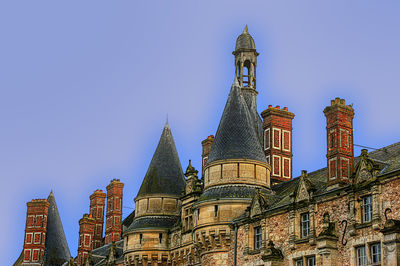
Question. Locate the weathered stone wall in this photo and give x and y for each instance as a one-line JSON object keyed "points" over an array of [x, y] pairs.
{"points": [[248, 172], [276, 228], [217, 258], [157, 205]]}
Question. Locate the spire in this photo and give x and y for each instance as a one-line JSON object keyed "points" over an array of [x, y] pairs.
{"points": [[246, 30], [236, 137], [56, 247], [164, 175]]}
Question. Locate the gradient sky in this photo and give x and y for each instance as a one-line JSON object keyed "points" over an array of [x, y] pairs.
{"points": [[85, 88]]}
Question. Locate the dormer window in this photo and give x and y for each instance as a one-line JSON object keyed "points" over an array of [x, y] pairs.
{"points": [[366, 209]]}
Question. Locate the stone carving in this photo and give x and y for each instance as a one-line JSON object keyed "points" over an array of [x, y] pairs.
{"points": [[366, 169]]}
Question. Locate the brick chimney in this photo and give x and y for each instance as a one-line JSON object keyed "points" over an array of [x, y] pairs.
{"points": [[277, 142], [97, 204], [35, 231], [339, 134], [206, 144], [114, 211], [86, 234]]}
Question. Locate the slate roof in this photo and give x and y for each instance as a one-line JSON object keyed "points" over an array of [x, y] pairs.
{"points": [[56, 247], [128, 220], [236, 137], [387, 157], [245, 41], [100, 255], [157, 221], [164, 175], [230, 192]]}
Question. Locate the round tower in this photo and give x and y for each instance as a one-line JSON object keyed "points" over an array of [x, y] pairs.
{"points": [[236, 169], [157, 206]]}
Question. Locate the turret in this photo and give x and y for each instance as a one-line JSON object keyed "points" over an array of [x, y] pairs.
{"points": [[157, 205]]}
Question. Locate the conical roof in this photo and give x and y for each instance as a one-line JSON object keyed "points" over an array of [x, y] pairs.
{"points": [[56, 247], [236, 136], [164, 175]]}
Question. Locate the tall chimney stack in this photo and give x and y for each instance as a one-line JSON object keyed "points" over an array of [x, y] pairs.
{"points": [[339, 135], [114, 211], [277, 142], [97, 204], [35, 231], [86, 234]]}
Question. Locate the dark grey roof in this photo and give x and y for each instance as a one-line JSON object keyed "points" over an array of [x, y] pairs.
{"points": [[56, 247], [389, 158], [231, 192], [245, 41], [100, 255], [251, 99], [164, 175], [163, 222], [236, 136], [128, 220]]}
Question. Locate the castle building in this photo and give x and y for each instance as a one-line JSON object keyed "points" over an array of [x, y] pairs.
{"points": [[245, 208]]}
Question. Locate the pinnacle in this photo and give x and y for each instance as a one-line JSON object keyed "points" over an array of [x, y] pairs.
{"points": [[246, 30], [166, 123]]}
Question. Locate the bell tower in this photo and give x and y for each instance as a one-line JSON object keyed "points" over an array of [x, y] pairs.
{"points": [[245, 72], [245, 66]]}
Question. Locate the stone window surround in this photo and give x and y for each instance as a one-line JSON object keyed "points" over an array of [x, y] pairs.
{"points": [[356, 219], [250, 239], [304, 255], [367, 242], [295, 225]]}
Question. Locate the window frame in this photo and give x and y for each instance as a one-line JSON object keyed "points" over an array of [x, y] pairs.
{"points": [[308, 260], [361, 259], [379, 254], [304, 225], [257, 237], [366, 209], [299, 262]]}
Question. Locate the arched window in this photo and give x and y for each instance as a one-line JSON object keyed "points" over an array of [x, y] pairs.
{"points": [[246, 73]]}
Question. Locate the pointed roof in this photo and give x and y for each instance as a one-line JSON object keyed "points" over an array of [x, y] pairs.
{"points": [[245, 41], [164, 175], [236, 137], [56, 247]]}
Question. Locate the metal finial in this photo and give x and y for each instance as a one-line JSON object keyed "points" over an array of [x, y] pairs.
{"points": [[246, 30]]}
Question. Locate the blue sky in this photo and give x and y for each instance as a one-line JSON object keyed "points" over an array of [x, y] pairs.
{"points": [[85, 88]]}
